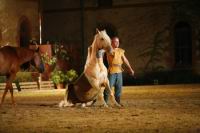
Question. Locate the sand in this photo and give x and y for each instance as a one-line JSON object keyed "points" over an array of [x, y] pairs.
{"points": [[147, 109]]}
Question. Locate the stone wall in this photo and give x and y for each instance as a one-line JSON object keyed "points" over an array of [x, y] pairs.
{"points": [[141, 25], [12, 12], [136, 27]]}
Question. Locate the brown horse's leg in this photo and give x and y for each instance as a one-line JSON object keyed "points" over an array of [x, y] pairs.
{"points": [[12, 97], [10, 87], [4, 95]]}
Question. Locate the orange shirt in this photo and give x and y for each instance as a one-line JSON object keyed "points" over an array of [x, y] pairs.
{"points": [[115, 61]]}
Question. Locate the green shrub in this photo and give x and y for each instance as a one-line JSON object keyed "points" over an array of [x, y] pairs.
{"points": [[21, 77], [24, 77], [71, 75], [2, 79], [58, 76]]}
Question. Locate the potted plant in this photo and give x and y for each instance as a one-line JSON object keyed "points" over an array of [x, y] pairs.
{"points": [[61, 78], [49, 63], [48, 60], [58, 78], [70, 76]]}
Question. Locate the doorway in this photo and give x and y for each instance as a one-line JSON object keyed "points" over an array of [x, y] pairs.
{"points": [[183, 45], [24, 33], [24, 37]]}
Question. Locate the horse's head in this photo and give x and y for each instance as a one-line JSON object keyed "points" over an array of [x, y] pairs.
{"points": [[103, 41], [38, 61]]}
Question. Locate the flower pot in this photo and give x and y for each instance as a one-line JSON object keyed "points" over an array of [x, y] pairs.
{"points": [[46, 49], [60, 86]]}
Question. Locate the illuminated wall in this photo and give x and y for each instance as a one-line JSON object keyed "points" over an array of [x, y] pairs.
{"points": [[12, 13]]}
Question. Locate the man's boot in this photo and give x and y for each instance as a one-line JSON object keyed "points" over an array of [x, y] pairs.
{"points": [[117, 99]]}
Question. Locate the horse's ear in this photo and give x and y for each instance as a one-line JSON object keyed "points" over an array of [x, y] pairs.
{"points": [[97, 30], [37, 49]]}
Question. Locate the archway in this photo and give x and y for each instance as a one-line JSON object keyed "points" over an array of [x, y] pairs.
{"points": [[0, 35], [24, 32], [24, 37], [183, 45]]}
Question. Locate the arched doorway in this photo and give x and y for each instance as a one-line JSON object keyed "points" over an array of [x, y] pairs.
{"points": [[24, 32], [0, 35], [183, 45], [24, 37]]}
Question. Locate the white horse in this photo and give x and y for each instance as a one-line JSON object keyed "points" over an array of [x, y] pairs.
{"points": [[94, 79]]}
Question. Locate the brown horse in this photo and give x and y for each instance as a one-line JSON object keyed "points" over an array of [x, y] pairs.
{"points": [[94, 79], [11, 58]]}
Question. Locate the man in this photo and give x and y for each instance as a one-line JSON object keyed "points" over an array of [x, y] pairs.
{"points": [[115, 61]]}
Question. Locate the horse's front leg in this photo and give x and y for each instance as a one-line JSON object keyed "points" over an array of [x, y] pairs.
{"points": [[4, 94], [99, 89], [101, 97], [111, 94], [11, 93]]}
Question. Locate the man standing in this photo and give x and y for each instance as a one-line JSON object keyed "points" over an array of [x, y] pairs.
{"points": [[115, 61]]}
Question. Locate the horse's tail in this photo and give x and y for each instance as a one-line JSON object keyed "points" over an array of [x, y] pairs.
{"points": [[71, 94]]}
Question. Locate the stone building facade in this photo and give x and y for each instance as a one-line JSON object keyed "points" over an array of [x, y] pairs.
{"points": [[159, 36], [18, 22]]}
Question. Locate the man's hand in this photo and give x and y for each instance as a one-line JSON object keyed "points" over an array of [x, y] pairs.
{"points": [[131, 72]]}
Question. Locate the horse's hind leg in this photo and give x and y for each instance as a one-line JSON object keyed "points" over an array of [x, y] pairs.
{"points": [[10, 87], [65, 102], [89, 104], [4, 95]]}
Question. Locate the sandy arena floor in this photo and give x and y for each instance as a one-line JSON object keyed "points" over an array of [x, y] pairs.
{"points": [[147, 109]]}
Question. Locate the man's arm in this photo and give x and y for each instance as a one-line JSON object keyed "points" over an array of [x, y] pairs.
{"points": [[125, 60]]}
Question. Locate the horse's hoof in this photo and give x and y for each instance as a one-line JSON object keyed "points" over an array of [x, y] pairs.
{"points": [[83, 105], [61, 104], [104, 105], [64, 103], [91, 103]]}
